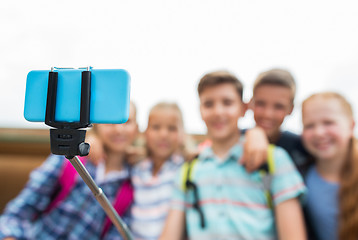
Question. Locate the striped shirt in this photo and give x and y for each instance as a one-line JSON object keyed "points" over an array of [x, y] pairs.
{"points": [[79, 216], [232, 200], [152, 196]]}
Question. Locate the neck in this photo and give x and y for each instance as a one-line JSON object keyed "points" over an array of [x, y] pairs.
{"points": [[157, 164], [330, 169], [114, 161], [274, 137], [221, 147]]}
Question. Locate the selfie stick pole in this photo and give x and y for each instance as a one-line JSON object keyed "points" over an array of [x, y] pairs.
{"points": [[101, 198], [67, 139]]}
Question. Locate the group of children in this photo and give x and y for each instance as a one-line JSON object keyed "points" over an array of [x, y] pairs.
{"points": [[244, 184]]}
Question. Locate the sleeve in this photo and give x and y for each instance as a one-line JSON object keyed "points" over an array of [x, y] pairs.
{"points": [[20, 212], [178, 201], [287, 182]]}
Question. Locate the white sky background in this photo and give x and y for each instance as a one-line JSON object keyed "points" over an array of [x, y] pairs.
{"points": [[167, 45]]}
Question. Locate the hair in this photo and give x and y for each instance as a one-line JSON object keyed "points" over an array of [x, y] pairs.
{"points": [[168, 105], [276, 77], [220, 77], [348, 192]]}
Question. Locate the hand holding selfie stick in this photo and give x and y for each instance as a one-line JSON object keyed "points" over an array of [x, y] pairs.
{"points": [[66, 139]]}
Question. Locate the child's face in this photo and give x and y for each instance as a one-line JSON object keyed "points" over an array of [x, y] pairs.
{"points": [[164, 133], [327, 129], [117, 137], [220, 108], [270, 105]]}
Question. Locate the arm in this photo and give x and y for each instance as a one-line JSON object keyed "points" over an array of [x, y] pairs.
{"points": [[174, 227], [32, 201], [287, 190], [289, 220], [255, 149]]}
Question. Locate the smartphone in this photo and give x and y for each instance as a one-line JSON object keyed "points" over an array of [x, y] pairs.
{"points": [[110, 95]]}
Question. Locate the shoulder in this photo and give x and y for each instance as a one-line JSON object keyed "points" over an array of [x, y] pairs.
{"points": [[143, 165], [177, 159], [187, 167], [290, 134], [311, 174], [281, 158], [284, 168], [287, 182], [289, 138], [52, 165], [293, 144], [189, 164], [280, 153], [55, 160]]}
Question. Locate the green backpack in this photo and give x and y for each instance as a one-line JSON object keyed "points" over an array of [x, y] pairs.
{"points": [[266, 171]]}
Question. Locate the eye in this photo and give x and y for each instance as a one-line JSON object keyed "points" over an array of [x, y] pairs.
{"points": [[173, 128], [155, 126], [308, 126], [208, 104], [279, 107], [259, 104], [227, 102], [328, 122]]}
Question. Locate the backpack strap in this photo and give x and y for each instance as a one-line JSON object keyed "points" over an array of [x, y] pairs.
{"points": [[188, 183], [270, 159], [121, 204], [187, 173], [267, 172], [66, 182]]}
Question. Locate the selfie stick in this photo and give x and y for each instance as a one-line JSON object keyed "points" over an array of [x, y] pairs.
{"points": [[66, 139]]}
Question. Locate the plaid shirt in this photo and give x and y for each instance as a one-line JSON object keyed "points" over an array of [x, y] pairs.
{"points": [[79, 216]]}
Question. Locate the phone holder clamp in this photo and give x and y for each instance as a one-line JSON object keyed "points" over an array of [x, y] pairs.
{"points": [[65, 137]]}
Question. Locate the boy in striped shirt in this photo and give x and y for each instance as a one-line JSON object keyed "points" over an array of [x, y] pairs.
{"points": [[231, 203]]}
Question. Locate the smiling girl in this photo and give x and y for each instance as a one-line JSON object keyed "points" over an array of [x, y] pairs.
{"points": [[153, 178], [328, 135]]}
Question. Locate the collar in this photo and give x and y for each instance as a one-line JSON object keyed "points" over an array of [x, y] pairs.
{"points": [[147, 164], [234, 153], [114, 175]]}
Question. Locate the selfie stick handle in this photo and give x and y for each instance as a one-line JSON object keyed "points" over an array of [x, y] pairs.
{"points": [[67, 138], [101, 198]]}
